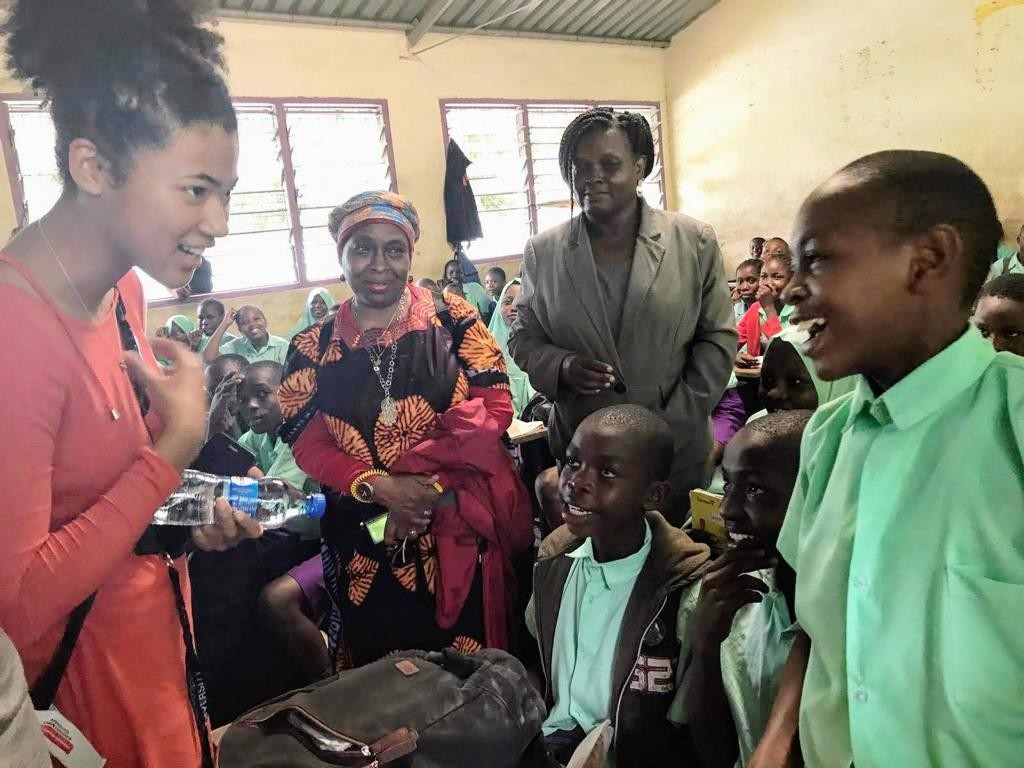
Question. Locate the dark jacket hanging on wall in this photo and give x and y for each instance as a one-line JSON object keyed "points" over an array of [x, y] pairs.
{"points": [[459, 203]]}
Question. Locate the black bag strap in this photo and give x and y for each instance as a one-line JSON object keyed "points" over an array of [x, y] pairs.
{"points": [[45, 689]]}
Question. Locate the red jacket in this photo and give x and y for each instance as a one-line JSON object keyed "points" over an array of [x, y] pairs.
{"points": [[466, 452]]}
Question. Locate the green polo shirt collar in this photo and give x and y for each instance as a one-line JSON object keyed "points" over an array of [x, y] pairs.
{"points": [[928, 388], [614, 572]]}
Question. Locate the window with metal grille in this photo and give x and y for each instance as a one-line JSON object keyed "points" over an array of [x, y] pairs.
{"points": [[297, 160], [515, 176]]}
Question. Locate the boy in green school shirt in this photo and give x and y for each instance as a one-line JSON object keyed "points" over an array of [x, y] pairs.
{"points": [[255, 344], [743, 624], [609, 589], [905, 529], [259, 406]]}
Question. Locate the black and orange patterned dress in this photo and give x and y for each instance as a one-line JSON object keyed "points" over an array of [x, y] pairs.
{"points": [[384, 600]]}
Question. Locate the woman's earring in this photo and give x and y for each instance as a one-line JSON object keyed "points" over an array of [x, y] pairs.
{"points": [[640, 191]]}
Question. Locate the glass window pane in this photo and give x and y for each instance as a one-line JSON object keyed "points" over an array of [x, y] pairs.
{"points": [[490, 136], [337, 151]]}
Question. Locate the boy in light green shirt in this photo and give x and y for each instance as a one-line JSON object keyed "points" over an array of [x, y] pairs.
{"points": [[609, 588], [743, 624], [906, 529], [258, 403], [255, 343]]}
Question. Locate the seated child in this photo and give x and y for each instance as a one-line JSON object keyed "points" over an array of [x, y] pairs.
{"points": [[501, 328], [254, 345], [426, 282], [756, 247], [1009, 261], [905, 527], [494, 282], [318, 304], [789, 379], [742, 627], [257, 397], [294, 606], [748, 278], [474, 293], [210, 315], [223, 377], [180, 329], [767, 316], [608, 590], [1000, 313]]}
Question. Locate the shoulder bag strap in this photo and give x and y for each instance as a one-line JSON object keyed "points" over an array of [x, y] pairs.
{"points": [[45, 689]]}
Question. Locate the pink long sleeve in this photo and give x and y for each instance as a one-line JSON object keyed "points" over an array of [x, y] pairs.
{"points": [[44, 573]]}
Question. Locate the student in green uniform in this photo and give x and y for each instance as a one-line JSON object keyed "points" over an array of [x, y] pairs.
{"points": [[905, 528], [1009, 261], [255, 344], [743, 624], [210, 315], [179, 329], [474, 293], [257, 398], [500, 328], [789, 379], [223, 378], [609, 587], [318, 304], [1000, 313]]}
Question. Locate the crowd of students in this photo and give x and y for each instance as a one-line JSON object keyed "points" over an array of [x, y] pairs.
{"points": [[867, 442]]}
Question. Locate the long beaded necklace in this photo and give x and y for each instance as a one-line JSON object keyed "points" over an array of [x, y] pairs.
{"points": [[376, 352]]}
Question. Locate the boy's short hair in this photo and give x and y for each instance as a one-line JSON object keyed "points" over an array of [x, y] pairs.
{"points": [[222, 360], [272, 366], [917, 190], [756, 264], [497, 271], [1009, 286], [247, 308], [213, 303], [645, 426], [781, 431]]}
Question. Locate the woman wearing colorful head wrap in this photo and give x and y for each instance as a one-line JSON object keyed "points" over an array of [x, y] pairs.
{"points": [[397, 404], [501, 322], [318, 304]]}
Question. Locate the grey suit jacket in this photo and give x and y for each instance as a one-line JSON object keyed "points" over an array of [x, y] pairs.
{"points": [[677, 339]]}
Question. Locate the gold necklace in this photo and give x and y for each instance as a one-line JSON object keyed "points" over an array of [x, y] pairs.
{"points": [[56, 258], [114, 413], [388, 407]]}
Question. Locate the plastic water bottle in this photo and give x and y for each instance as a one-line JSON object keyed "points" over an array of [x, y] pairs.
{"points": [[269, 501]]}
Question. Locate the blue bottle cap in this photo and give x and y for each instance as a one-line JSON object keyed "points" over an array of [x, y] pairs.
{"points": [[316, 505]]}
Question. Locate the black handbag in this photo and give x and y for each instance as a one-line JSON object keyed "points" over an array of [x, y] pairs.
{"points": [[408, 710]]}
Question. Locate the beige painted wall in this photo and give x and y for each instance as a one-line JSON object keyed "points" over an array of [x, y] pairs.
{"points": [[767, 98]]}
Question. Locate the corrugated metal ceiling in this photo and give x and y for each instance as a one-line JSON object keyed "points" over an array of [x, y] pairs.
{"points": [[651, 22]]}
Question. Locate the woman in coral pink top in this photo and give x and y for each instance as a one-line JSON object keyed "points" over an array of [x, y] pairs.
{"points": [[94, 437]]}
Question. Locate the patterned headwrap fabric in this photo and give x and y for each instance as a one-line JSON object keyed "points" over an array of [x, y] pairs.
{"points": [[388, 207]]}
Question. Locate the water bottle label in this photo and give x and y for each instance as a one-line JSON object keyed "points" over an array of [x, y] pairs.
{"points": [[244, 494]]}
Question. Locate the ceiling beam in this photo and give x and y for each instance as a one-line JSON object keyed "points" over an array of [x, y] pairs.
{"points": [[431, 14]]}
